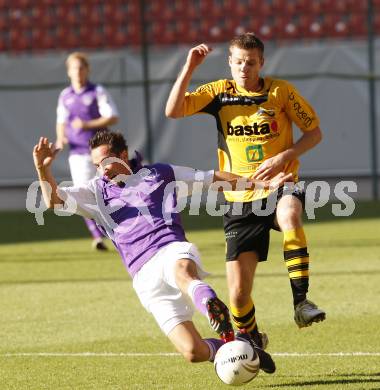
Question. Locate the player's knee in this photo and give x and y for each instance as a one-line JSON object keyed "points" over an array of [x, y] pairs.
{"points": [[290, 219]]}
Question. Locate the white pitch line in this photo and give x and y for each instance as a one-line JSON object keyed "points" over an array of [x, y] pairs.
{"points": [[315, 354], [137, 354]]}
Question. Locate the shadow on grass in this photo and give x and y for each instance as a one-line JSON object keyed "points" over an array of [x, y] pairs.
{"points": [[361, 379], [21, 226]]}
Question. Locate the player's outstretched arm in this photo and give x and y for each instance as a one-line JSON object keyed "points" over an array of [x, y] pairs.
{"points": [[44, 154], [175, 104], [100, 122], [239, 183]]}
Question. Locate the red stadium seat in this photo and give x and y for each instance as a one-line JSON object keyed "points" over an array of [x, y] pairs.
{"points": [[334, 26], [357, 6], [67, 37], [67, 15], [280, 6], [3, 43], [21, 4], [310, 26], [43, 16], [4, 22], [192, 10], [254, 24], [20, 18], [357, 25], [156, 30], [211, 9], [19, 40], [377, 22], [160, 10], [42, 39], [315, 7], [121, 36], [267, 31], [114, 13], [220, 30], [286, 27], [95, 40], [182, 9], [240, 10], [336, 6], [91, 13], [131, 10], [69, 3], [133, 33], [48, 3], [187, 31]]}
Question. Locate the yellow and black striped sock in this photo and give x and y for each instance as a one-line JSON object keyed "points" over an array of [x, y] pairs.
{"points": [[297, 261], [244, 317]]}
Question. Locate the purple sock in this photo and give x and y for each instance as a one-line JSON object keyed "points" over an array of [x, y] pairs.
{"points": [[91, 225], [200, 293], [214, 345]]}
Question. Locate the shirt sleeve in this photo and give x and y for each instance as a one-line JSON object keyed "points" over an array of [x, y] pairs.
{"points": [[299, 110], [198, 100], [78, 200], [62, 111], [107, 107], [191, 175]]}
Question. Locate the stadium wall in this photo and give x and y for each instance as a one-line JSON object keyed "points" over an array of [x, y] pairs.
{"points": [[333, 76]]}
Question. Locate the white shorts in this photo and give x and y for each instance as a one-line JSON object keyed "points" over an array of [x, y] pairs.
{"points": [[81, 168], [157, 290]]}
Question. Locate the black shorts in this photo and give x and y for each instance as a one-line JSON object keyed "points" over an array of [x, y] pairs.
{"points": [[247, 225]]}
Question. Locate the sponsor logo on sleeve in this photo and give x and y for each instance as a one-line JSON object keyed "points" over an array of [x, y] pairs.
{"points": [[300, 111]]}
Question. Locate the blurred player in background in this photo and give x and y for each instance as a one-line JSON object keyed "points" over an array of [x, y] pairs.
{"points": [[254, 118], [83, 109], [136, 207]]}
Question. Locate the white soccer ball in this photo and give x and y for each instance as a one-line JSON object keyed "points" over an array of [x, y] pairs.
{"points": [[236, 363]]}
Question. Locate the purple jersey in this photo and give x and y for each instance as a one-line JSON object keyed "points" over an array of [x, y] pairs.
{"points": [[140, 217], [91, 102]]}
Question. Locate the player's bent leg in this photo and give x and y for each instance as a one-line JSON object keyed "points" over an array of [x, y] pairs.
{"points": [[203, 297], [240, 275], [190, 344], [296, 257]]}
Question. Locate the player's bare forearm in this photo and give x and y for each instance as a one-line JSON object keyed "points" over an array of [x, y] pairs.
{"points": [[44, 153], [61, 138], [240, 183], [175, 104], [176, 100], [100, 122], [48, 188], [272, 166], [307, 141]]}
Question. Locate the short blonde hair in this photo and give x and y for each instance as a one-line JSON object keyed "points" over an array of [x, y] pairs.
{"points": [[247, 41], [82, 57]]}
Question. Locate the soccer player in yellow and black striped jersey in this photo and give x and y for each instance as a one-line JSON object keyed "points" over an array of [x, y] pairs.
{"points": [[254, 117]]}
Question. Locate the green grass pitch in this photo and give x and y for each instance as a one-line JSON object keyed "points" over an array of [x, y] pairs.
{"points": [[69, 318]]}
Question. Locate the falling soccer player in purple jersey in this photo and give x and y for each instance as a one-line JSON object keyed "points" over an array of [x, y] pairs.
{"points": [[83, 109], [136, 207]]}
